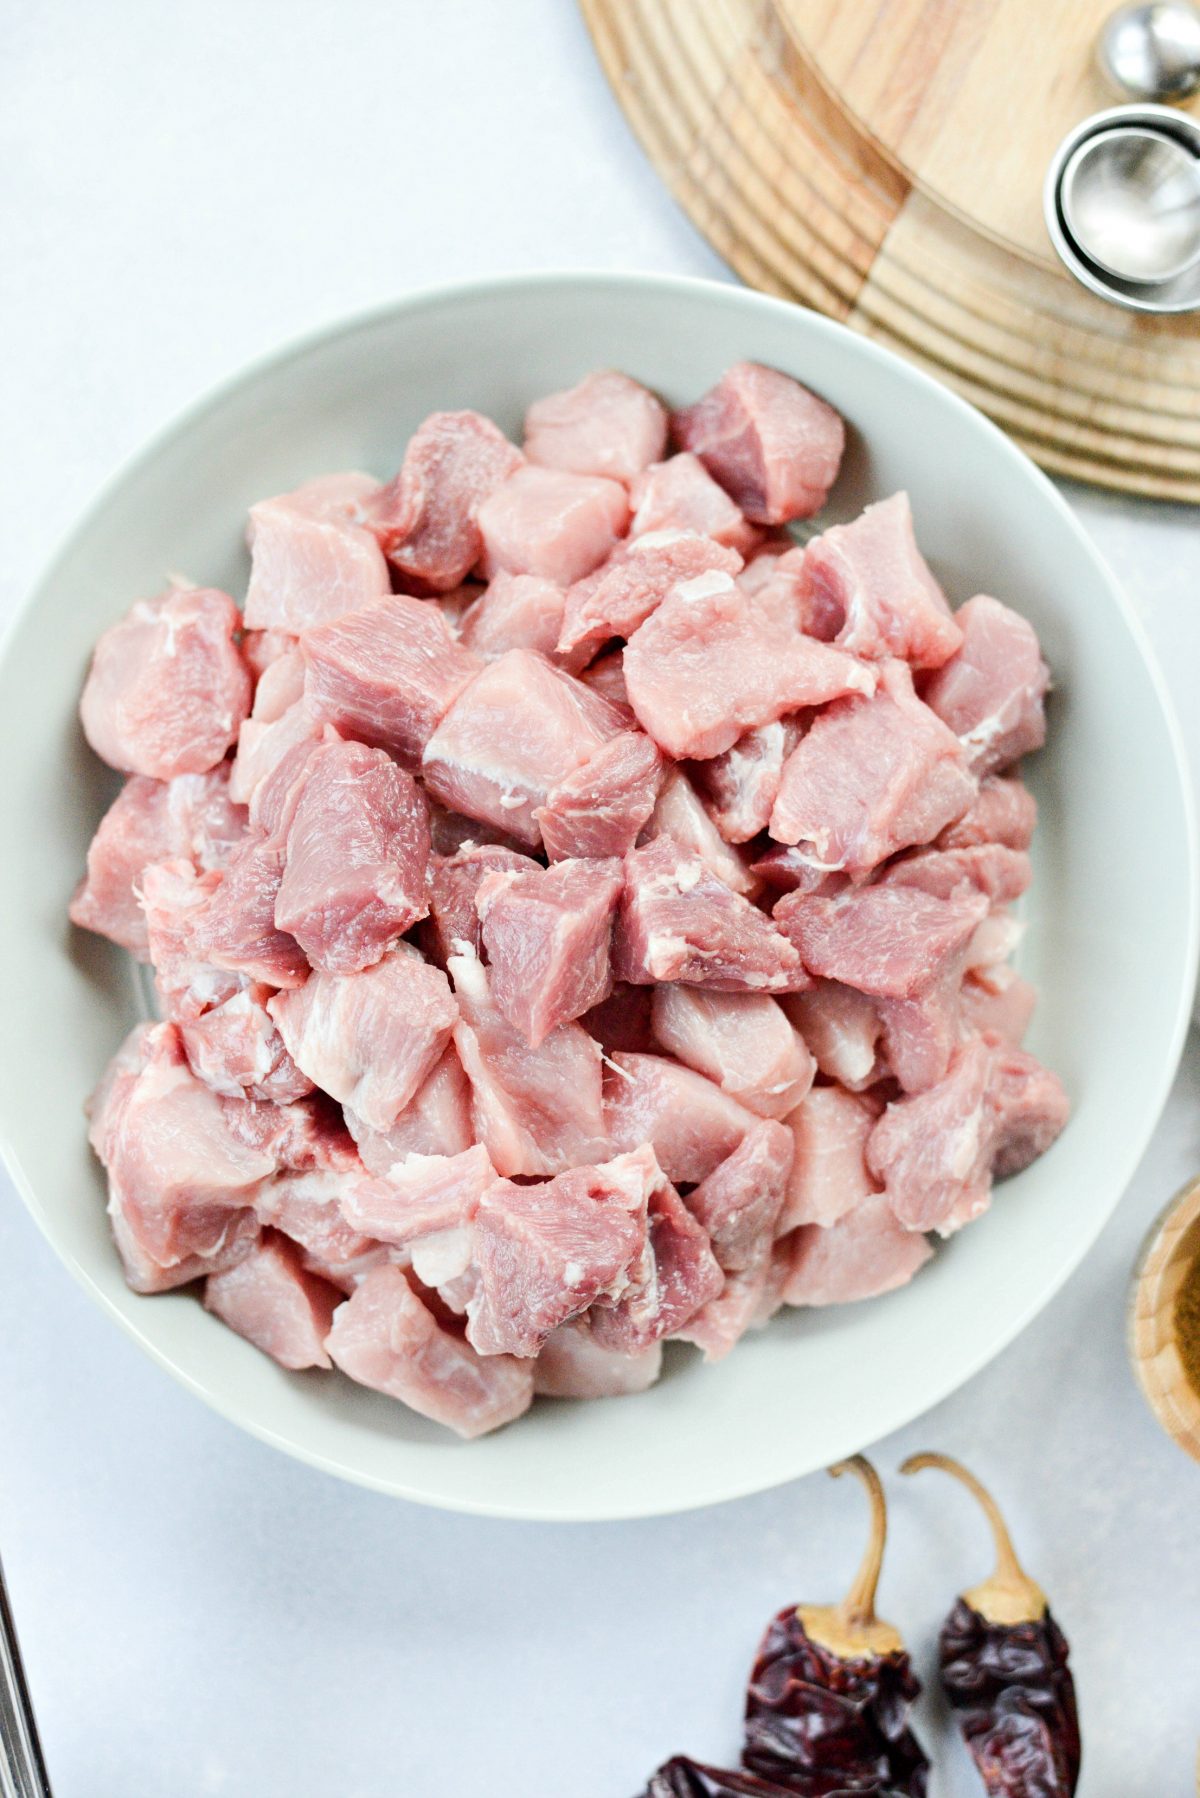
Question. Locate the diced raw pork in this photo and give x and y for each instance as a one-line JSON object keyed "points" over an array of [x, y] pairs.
{"points": [[871, 575], [919, 1035], [436, 1121], [341, 498], [572, 1364], [191, 818], [369, 1039], [451, 831], [600, 808], [174, 901], [386, 674], [236, 1049], [427, 519], [272, 1300], [829, 1174], [420, 1195], [238, 930], [678, 922], [548, 522], [680, 1275], [623, 1020], [691, 1125], [870, 776], [261, 648], [308, 564], [606, 676], [841, 1028], [997, 1001], [357, 852], [518, 730], [741, 784], [548, 934], [536, 1111], [680, 814], [453, 883], [516, 611], [607, 424], [862, 1255], [680, 495], [1005, 812], [891, 941], [739, 1203], [743, 1041], [999, 873], [306, 1207], [545, 1253], [270, 759], [771, 443], [385, 1337], [711, 663], [635, 580], [168, 690], [279, 686], [992, 692], [791, 870], [1028, 1104], [763, 565], [745, 1302]]}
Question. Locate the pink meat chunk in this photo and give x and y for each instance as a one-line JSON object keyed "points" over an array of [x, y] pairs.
{"points": [[427, 519], [548, 935], [742, 784], [436, 1121], [369, 1039], [871, 575], [454, 881], [991, 693], [999, 873], [841, 1028], [306, 1206], [189, 818], [691, 1125], [680, 495], [518, 730], [168, 689], [572, 1364], [890, 941], [279, 686], [211, 932], [773, 445], [451, 831], [308, 565], [871, 776], [547, 522], [272, 1300], [681, 815], [792, 870], [174, 901], [1029, 1106], [536, 1111], [678, 1277], [678, 922], [606, 676], [237, 1051], [710, 664], [743, 1041], [600, 808], [740, 1202], [623, 593], [607, 425], [386, 674], [420, 1195], [998, 1002], [545, 1253], [516, 611], [385, 1337], [829, 1174], [865, 1253], [623, 1020], [271, 758], [261, 648], [357, 854], [744, 1303], [1004, 811]]}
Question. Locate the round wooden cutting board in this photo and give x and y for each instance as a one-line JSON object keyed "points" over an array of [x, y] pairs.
{"points": [[882, 161]]}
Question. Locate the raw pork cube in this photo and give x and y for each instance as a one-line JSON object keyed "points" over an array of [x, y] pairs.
{"points": [[357, 852], [1004, 811], [191, 817], [545, 1253], [739, 1203], [743, 1041], [1028, 1106], [829, 1174], [386, 674], [236, 1049], [607, 424], [518, 729], [451, 831], [623, 1020], [710, 663], [792, 870], [679, 1276], [516, 611], [606, 676], [600, 808], [992, 692], [871, 576], [997, 1001], [204, 928], [427, 519], [385, 1337], [453, 883], [678, 922], [680, 814], [635, 580], [369, 1039], [167, 690], [680, 495], [870, 776], [548, 522], [341, 498], [572, 1364], [741, 784], [841, 1028], [279, 686], [309, 563], [771, 443], [261, 648], [271, 756], [745, 1302], [862, 1255], [420, 1195], [548, 934], [536, 1111], [436, 1121], [272, 1300], [999, 873], [891, 941], [174, 901], [691, 1125]]}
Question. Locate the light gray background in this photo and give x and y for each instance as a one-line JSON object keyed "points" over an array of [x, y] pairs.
{"points": [[181, 187]]}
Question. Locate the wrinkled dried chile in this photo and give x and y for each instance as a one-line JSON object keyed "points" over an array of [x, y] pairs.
{"points": [[684, 1778], [1004, 1668]]}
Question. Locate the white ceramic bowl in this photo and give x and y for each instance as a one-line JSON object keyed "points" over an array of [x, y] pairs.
{"points": [[1111, 940]]}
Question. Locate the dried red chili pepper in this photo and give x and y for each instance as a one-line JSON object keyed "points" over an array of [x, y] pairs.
{"points": [[828, 1700], [683, 1778], [1004, 1669]]}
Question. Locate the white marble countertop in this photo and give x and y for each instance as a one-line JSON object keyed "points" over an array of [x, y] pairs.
{"points": [[181, 188]]}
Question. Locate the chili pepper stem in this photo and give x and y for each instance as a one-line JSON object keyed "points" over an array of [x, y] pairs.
{"points": [[851, 1630], [1009, 1596]]}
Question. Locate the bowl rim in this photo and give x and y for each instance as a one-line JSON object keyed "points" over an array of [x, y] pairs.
{"points": [[429, 297]]}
